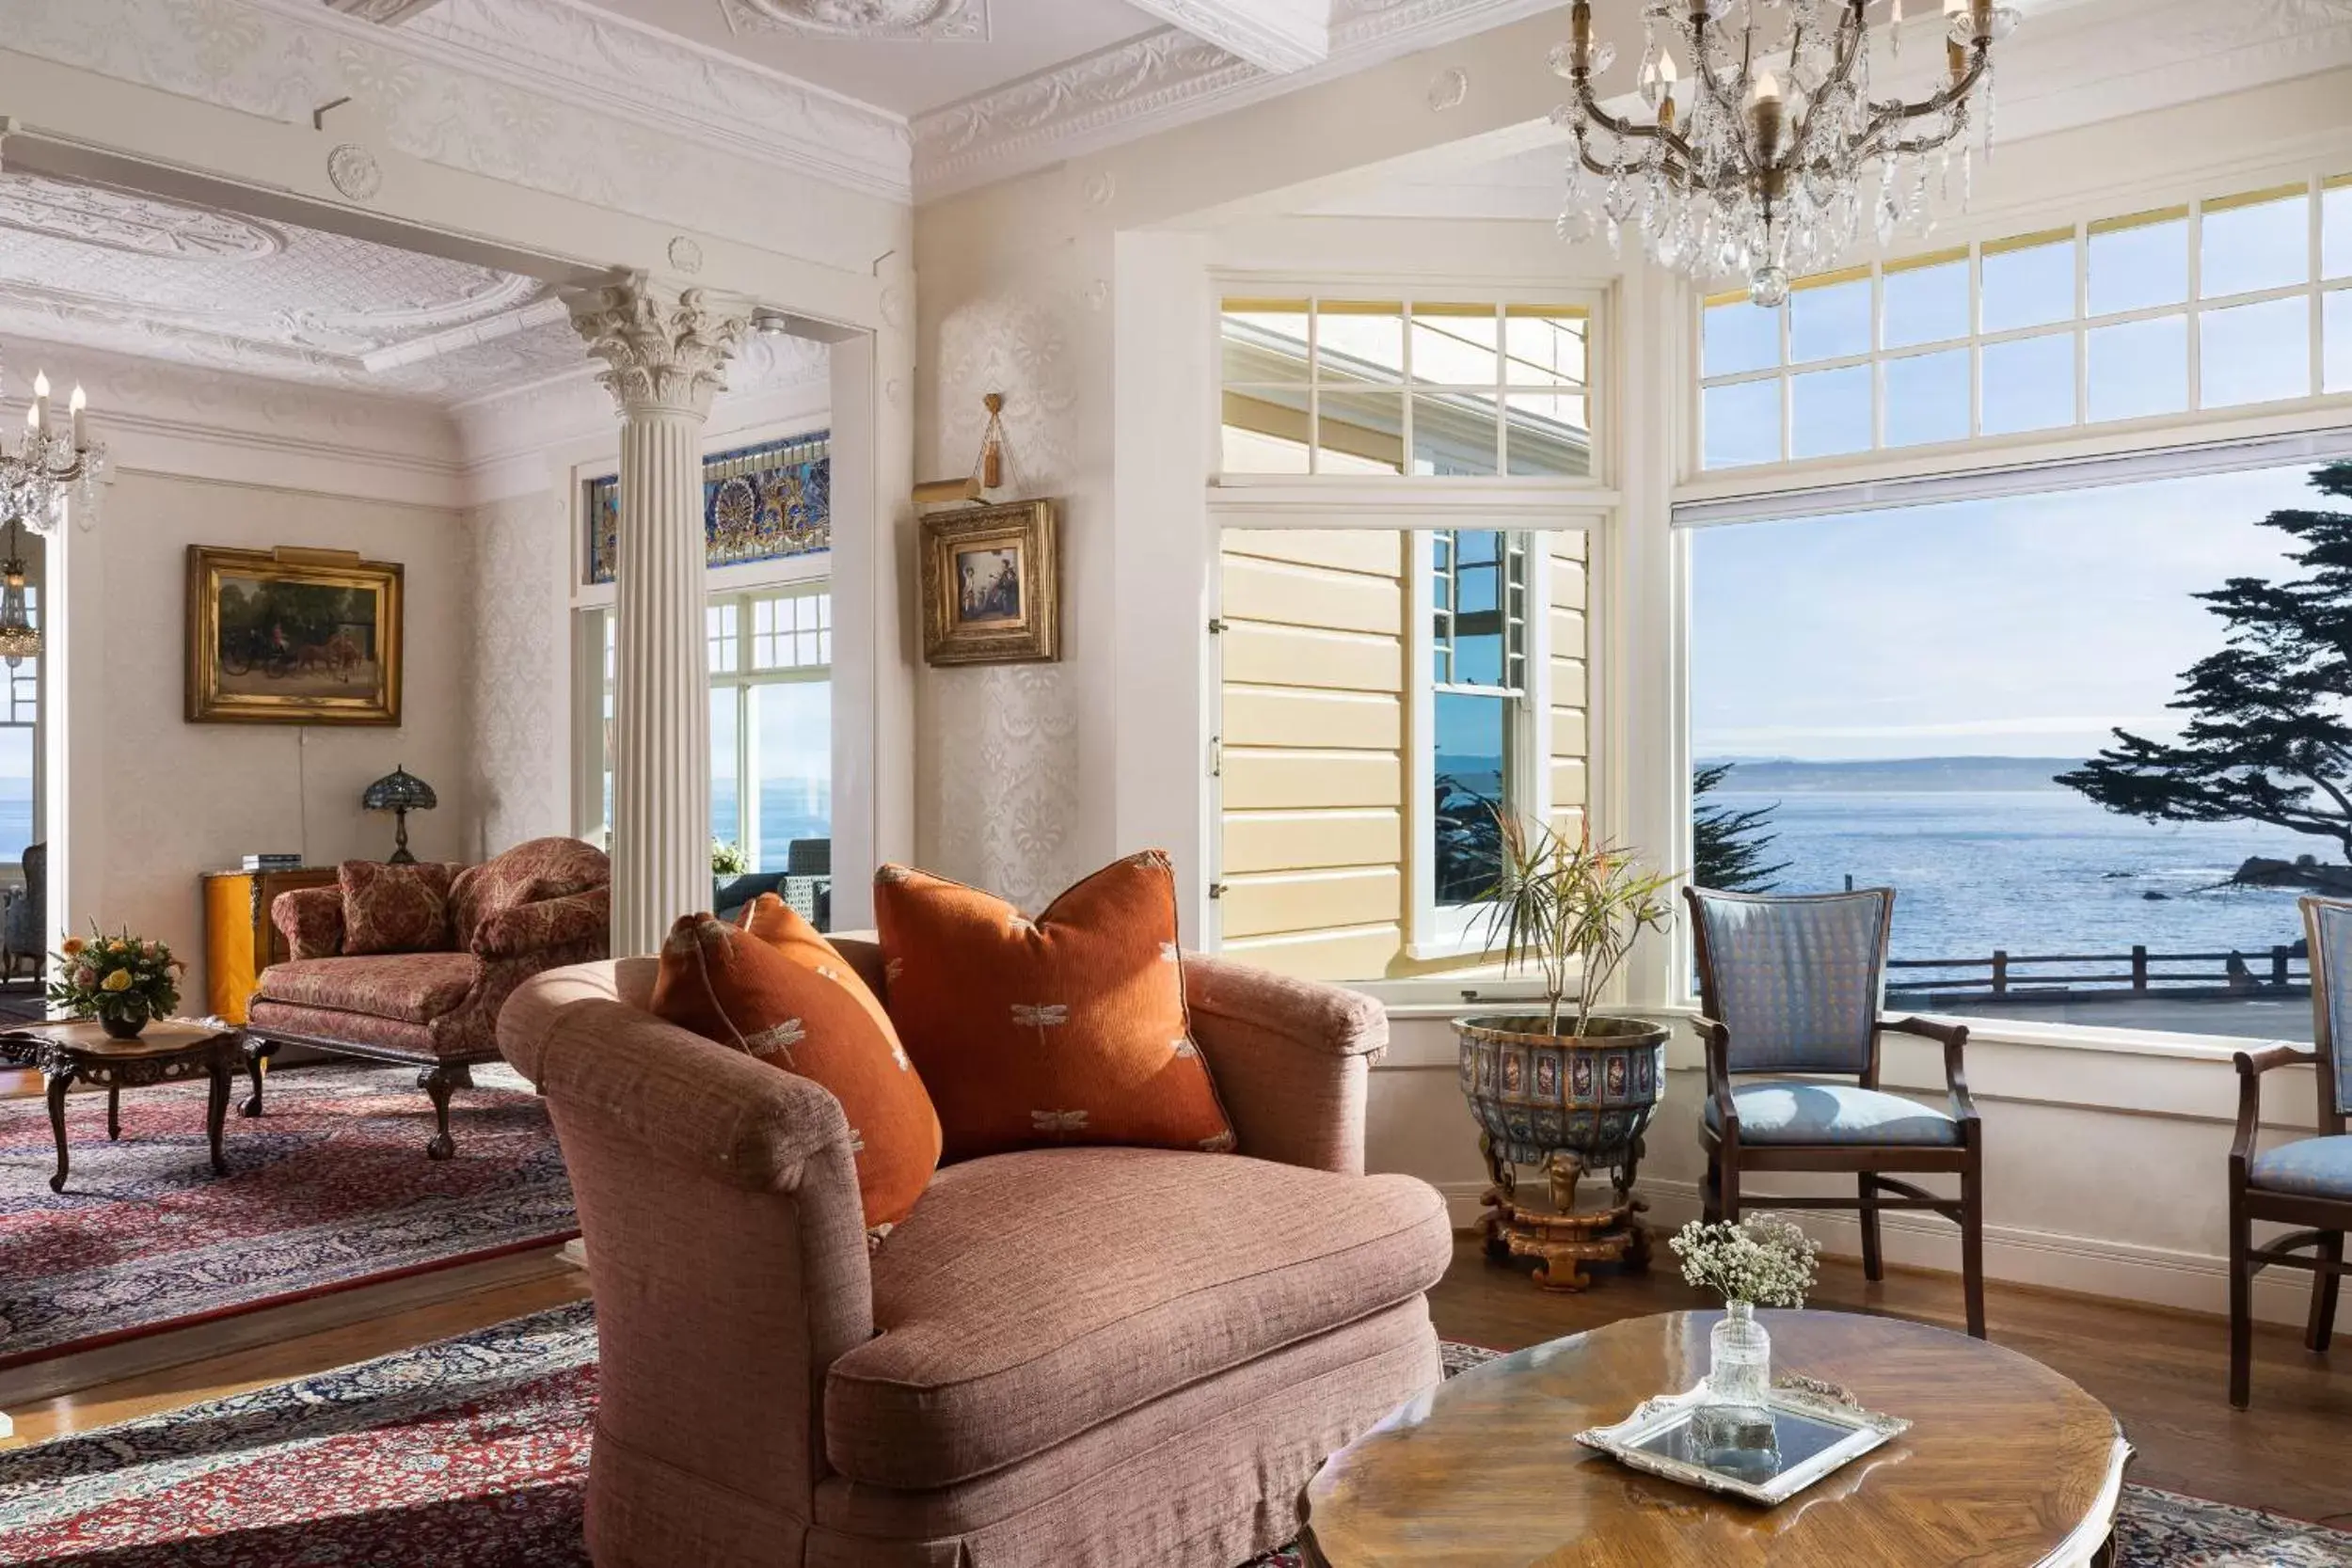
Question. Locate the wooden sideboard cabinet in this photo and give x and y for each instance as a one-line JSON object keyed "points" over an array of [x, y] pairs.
{"points": [[239, 940]]}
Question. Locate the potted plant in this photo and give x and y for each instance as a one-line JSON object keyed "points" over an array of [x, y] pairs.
{"points": [[1757, 1262], [1565, 1088], [122, 981]]}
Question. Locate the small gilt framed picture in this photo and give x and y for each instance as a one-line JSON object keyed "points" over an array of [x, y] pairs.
{"points": [[992, 585]]}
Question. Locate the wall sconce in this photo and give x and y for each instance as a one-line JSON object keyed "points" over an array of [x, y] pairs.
{"points": [[988, 472]]}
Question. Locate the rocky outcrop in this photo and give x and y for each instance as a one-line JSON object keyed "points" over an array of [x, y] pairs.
{"points": [[2303, 871]]}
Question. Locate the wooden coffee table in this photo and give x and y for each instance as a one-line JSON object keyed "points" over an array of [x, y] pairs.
{"points": [[167, 1049], [2007, 1465]]}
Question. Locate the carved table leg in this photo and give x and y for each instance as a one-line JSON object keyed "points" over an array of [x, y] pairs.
{"points": [[216, 1109], [60, 1077], [256, 1052], [114, 1113], [438, 1083]]}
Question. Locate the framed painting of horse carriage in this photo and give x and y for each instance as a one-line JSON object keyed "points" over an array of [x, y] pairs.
{"points": [[292, 637]]}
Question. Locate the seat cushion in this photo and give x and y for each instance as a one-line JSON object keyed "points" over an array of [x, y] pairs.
{"points": [[1795, 1112], [780, 992], [1066, 1029], [1031, 1297], [2309, 1168], [413, 987]]}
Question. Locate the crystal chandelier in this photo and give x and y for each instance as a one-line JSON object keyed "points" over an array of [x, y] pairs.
{"points": [[53, 459], [20, 640], [1764, 165]]}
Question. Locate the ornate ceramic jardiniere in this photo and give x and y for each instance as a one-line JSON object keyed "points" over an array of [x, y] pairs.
{"points": [[1566, 1104]]}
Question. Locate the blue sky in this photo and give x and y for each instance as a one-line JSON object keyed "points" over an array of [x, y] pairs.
{"points": [[2016, 628]]}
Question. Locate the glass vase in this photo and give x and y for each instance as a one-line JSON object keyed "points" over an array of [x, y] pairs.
{"points": [[1739, 1357]]}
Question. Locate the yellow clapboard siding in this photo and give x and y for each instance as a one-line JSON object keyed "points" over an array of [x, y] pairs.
{"points": [[1292, 594], [1568, 821], [1374, 553], [1567, 683], [1311, 900], [1568, 733], [1570, 543], [1567, 782], [1262, 655], [1303, 840], [1567, 633], [1352, 953], [1274, 780], [1296, 716], [1567, 585]]}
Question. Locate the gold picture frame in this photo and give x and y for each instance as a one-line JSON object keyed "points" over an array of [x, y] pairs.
{"points": [[292, 637], [992, 585]]}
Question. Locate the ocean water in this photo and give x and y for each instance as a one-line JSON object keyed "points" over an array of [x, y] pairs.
{"points": [[788, 810], [2033, 871]]}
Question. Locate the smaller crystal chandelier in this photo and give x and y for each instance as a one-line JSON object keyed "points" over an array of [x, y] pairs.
{"points": [[52, 460], [18, 638], [1761, 170]]}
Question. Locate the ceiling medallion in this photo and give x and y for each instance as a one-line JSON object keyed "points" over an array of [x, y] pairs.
{"points": [[685, 254], [353, 170], [125, 220], [926, 20], [1760, 170]]}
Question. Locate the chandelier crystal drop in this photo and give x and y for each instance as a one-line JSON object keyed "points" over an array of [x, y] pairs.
{"points": [[51, 464], [20, 640], [1765, 154]]}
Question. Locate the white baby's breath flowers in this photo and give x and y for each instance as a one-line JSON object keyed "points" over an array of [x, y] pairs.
{"points": [[1761, 1260]]}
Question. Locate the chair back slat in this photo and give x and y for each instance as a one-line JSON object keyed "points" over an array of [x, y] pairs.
{"points": [[2327, 929], [1797, 980]]}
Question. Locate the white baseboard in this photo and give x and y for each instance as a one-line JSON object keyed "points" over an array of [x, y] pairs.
{"points": [[2156, 1276], [8, 1428]]}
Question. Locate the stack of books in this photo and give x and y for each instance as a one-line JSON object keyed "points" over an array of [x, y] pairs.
{"points": [[273, 862]]}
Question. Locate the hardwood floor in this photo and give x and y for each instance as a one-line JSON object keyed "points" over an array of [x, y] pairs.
{"points": [[2163, 1373]]}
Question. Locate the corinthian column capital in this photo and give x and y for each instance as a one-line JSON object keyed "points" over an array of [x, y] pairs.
{"points": [[664, 348]]}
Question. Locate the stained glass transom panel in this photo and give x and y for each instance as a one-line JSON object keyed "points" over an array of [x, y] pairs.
{"points": [[759, 503]]}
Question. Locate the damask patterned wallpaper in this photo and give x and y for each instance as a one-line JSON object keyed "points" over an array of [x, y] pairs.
{"points": [[517, 739]]}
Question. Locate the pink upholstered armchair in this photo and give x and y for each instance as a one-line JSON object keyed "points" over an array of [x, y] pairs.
{"points": [[1087, 1358], [540, 905]]}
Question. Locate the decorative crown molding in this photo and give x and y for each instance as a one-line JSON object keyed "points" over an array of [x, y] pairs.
{"points": [[1276, 36], [665, 349], [1163, 80], [126, 220], [886, 21]]}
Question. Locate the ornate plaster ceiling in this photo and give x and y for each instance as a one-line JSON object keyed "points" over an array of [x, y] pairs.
{"points": [[93, 267]]}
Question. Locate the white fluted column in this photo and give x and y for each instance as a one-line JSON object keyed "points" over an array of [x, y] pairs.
{"points": [[664, 348]]}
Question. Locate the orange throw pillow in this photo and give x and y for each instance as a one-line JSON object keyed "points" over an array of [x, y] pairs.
{"points": [[1067, 1029], [794, 1003]]}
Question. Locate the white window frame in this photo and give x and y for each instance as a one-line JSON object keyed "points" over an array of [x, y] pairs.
{"points": [[1435, 930], [2319, 407]]}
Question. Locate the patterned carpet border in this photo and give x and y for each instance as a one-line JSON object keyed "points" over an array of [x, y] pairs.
{"points": [[473, 1452], [327, 1191]]}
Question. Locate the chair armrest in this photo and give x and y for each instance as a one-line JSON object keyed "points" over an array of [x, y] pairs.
{"points": [[572, 920], [311, 921], [2252, 1065], [1954, 1039], [1292, 1060], [1717, 1038]]}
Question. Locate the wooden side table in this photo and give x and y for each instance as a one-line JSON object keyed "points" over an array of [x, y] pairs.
{"points": [[239, 940], [168, 1049]]}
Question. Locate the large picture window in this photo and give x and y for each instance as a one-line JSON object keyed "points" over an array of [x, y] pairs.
{"points": [[2223, 304], [2095, 740]]}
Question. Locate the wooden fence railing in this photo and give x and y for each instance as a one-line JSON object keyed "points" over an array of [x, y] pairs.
{"points": [[2139, 972]]}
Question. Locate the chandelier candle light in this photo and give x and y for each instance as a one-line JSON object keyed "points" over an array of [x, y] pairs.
{"points": [[1761, 170], [52, 462]]}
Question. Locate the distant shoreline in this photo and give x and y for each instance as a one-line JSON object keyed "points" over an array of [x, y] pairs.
{"points": [[1925, 775]]}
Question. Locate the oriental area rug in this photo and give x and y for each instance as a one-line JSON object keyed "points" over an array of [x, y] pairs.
{"points": [[328, 1190], [473, 1453]]}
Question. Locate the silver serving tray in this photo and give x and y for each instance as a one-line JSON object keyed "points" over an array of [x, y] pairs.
{"points": [[1807, 1429]]}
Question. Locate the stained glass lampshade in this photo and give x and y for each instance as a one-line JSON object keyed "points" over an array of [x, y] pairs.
{"points": [[400, 792]]}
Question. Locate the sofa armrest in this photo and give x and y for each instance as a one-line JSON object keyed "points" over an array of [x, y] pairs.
{"points": [[717, 1198], [573, 920], [311, 921], [1292, 1060]]}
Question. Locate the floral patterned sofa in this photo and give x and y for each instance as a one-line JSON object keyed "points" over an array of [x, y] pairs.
{"points": [[540, 905]]}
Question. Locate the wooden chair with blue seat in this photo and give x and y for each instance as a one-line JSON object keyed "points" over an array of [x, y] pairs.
{"points": [[1789, 986], [2307, 1183]]}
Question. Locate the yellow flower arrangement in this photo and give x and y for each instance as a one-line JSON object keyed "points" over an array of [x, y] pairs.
{"points": [[118, 979], [121, 979]]}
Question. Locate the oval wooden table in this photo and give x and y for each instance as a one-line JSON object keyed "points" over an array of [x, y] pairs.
{"points": [[2007, 1463]]}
